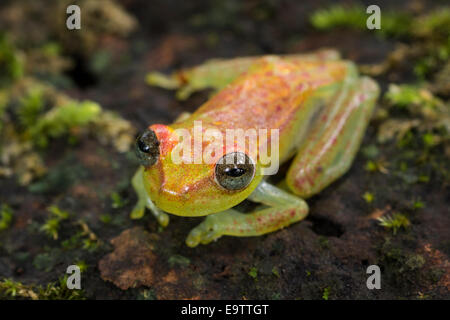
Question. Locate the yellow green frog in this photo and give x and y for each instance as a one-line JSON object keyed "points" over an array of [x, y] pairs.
{"points": [[318, 103]]}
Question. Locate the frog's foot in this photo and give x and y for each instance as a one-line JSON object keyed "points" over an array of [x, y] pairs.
{"points": [[145, 202], [212, 228], [163, 81], [284, 209]]}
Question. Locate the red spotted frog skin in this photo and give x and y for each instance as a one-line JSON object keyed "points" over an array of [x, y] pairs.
{"points": [[318, 104]]}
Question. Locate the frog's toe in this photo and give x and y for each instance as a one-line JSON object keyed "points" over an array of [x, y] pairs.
{"points": [[203, 233], [162, 217], [138, 211], [194, 237]]}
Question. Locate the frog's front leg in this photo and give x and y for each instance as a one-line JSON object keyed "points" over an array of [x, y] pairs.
{"points": [[283, 209], [144, 200]]}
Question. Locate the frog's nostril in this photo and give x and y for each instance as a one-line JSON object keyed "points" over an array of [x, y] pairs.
{"points": [[147, 148]]}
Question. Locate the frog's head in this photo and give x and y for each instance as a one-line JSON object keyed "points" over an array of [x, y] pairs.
{"points": [[194, 189]]}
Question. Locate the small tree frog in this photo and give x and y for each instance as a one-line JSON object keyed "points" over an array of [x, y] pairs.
{"points": [[321, 108]]}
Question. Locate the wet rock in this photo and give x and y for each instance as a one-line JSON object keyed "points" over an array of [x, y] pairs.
{"points": [[131, 263]]}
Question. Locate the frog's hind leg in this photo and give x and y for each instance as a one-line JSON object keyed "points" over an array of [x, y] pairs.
{"points": [[281, 209], [332, 145]]}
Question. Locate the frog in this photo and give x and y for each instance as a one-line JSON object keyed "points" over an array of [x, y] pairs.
{"points": [[318, 102]]}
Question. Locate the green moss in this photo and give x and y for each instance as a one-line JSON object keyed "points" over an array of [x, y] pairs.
{"points": [[58, 291], [355, 17], [393, 23], [418, 204], [82, 265], [368, 197], [415, 261], [395, 222], [12, 289], [371, 151], [4, 99], [105, 218], [253, 272], [326, 293], [371, 166], [147, 294], [30, 107], [436, 23], [419, 121], [46, 261], [60, 177], [51, 225], [61, 120], [75, 241], [117, 200], [90, 244], [412, 97], [275, 272], [44, 114], [339, 16], [276, 296], [11, 67], [83, 239], [324, 242], [178, 260], [376, 166], [6, 216]]}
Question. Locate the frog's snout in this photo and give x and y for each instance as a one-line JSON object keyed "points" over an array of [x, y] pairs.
{"points": [[147, 148]]}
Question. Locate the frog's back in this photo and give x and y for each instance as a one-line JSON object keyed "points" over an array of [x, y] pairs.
{"points": [[270, 95]]}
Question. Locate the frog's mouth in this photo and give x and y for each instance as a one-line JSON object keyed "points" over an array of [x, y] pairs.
{"points": [[201, 199], [196, 202]]}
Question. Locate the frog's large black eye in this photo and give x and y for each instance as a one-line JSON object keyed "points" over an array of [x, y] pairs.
{"points": [[234, 171], [147, 148]]}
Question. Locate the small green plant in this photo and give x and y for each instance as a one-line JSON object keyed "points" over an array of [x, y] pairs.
{"points": [[90, 244], [275, 272], [435, 23], [84, 239], [326, 293], [6, 216], [427, 124], [376, 166], [412, 98], [395, 222], [30, 107], [355, 17], [253, 273], [82, 265], [11, 67], [51, 225], [57, 290], [418, 204], [339, 16], [369, 197], [13, 289], [60, 120], [179, 260], [117, 200], [105, 218]]}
